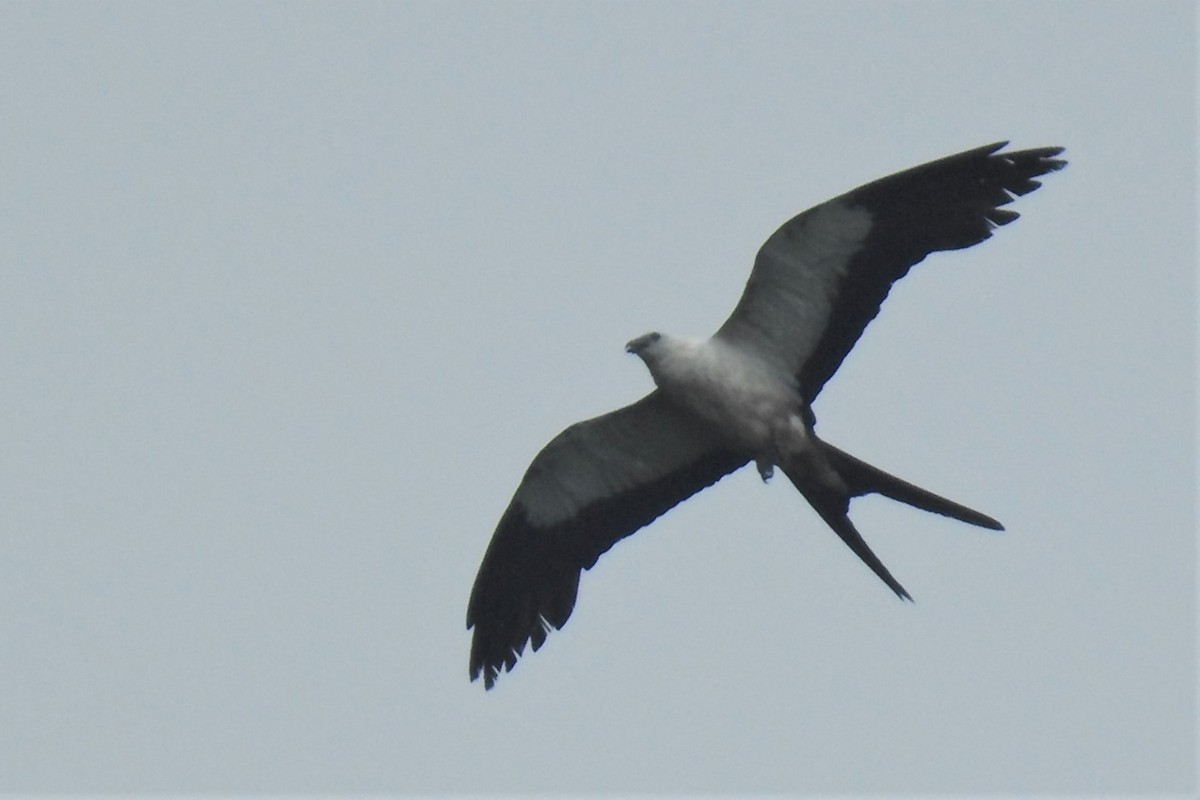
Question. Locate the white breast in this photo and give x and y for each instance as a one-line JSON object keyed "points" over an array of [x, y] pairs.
{"points": [[745, 398]]}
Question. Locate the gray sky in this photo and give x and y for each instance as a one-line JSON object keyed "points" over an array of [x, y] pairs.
{"points": [[292, 294]]}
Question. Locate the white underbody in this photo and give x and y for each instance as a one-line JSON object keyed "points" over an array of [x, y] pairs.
{"points": [[744, 398]]}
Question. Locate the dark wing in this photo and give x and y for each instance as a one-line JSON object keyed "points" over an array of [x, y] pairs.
{"points": [[821, 278], [592, 485]]}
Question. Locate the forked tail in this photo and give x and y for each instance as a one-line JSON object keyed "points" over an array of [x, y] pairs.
{"points": [[861, 478], [858, 477]]}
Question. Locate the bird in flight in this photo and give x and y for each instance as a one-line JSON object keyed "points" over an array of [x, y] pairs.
{"points": [[744, 394]]}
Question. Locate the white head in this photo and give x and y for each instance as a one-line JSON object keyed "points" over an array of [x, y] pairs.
{"points": [[644, 344], [652, 348]]}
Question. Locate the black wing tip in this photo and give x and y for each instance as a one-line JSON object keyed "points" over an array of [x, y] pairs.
{"points": [[961, 198], [1044, 155], [1001, 216], [492, 665], [491, 660], [493, 653], [1020, 167], [526, 588], [1029, 165], [1031, 155], [1033, 161], [489, 677]]}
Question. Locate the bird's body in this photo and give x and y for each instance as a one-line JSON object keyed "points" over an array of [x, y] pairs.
{"points": [[742, 395], [735, 391]]}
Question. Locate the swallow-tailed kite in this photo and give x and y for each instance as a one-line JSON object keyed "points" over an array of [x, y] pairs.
{"points": [[745, 394]]}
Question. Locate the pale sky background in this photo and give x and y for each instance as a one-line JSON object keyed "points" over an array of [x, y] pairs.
{"points": [[291, 294]]}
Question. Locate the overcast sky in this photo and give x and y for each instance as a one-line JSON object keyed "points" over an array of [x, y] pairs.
{"points": [[291, 294]]}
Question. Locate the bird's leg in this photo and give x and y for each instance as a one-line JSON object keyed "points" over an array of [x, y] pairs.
{"points": [[766, 469]]}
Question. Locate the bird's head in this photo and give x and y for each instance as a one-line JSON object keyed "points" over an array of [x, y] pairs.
{"points": [[643, 345]]}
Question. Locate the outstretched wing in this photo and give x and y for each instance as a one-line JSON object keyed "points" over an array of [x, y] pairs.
{"points": [[821, 278], [592, 485]]}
